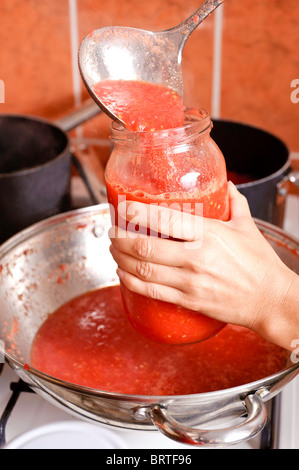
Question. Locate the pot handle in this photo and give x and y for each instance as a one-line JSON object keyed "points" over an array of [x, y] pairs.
{"points": [[83, 113], [253, 423], [289, 185]]}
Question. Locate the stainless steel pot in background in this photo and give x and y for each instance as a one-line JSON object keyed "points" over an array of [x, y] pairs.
{"points": [[29, 268]]}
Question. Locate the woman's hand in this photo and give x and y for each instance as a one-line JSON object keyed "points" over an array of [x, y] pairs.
{"points": [[226, 270]]}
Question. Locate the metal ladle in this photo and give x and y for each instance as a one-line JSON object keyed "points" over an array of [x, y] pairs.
{"points": [[122, 53]]}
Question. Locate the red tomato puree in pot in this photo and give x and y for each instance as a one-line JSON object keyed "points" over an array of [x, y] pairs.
{"points": [[90, 342], [239, 178]]}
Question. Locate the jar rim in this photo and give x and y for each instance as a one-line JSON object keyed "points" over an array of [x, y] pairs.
{"points": [[197, 121]]}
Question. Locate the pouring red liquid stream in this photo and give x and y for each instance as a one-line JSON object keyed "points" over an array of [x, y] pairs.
{"points": [[150, 108]]}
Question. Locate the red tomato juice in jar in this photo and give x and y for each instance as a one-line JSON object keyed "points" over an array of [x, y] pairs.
{"points": [[179, 166]]}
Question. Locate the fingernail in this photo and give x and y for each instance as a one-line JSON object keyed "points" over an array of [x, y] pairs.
{"points": [[120, 273]]}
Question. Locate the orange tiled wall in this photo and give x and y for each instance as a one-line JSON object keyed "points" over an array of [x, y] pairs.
{"points": [[239, 64]]}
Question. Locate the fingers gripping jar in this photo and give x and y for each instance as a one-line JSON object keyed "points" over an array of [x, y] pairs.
{"points": [[181, 168]]}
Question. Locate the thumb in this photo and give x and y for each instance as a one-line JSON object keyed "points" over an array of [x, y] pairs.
{"points": [[238, 203]]}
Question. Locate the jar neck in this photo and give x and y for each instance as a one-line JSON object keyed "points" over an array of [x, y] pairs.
{"points": [[197, 126]]}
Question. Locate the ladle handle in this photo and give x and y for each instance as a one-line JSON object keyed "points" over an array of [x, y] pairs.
{"points": [[254, 422], [197, 17]]}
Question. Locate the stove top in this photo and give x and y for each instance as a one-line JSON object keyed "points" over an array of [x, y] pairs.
{"points": [[22, 410]]}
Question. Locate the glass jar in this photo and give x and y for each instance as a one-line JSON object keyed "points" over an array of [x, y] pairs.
{"points": [[182, 167]]}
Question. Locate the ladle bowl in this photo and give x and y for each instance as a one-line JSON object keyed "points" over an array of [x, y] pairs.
{"points": [[123, 53]]}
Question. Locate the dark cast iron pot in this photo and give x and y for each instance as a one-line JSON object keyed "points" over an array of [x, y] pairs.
{"points": [[35, 168], [265, 159]]}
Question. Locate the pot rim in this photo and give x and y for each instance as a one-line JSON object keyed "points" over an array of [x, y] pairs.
{"points": [[36, 168], [240, 390], [96, 210]]}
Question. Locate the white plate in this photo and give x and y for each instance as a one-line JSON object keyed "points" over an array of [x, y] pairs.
{"points": [[68, 435]]}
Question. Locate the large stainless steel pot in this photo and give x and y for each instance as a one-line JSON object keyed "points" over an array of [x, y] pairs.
{"points": [[65, 256]]}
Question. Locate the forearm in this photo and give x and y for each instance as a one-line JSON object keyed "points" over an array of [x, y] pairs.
{"points": [[280, 324]]}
